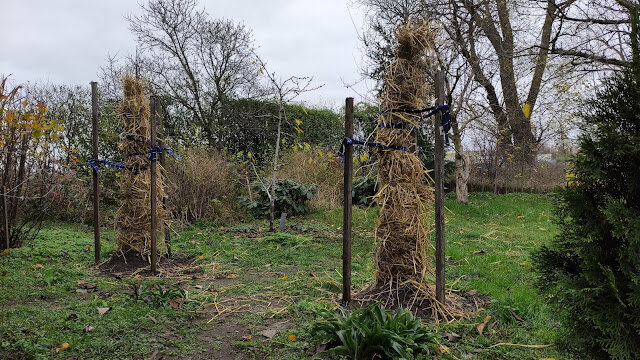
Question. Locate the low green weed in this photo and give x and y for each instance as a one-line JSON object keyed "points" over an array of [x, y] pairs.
{"points": [[284, 239], [157, 296], [373, 332]]}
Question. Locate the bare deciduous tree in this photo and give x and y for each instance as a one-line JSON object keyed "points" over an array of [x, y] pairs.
{"points": [[197, 61], [282, 91], [597, 35], [508, 57]]}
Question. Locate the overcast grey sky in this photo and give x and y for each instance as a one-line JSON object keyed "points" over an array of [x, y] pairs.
{"points": [[66, 41]]}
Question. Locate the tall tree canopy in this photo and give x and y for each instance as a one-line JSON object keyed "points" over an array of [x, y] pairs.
{"points": [[198, 61]]}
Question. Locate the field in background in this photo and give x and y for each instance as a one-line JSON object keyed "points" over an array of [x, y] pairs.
{"points": [[249, 294]]}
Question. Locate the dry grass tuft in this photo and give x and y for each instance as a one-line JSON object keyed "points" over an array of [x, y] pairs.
{"points": [[202, 186], [316, 166]]}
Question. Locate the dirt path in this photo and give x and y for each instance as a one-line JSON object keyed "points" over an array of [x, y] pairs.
{"points": [[238, 327]]}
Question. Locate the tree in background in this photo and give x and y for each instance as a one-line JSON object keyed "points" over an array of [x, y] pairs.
{"points": [[281, 92], [197, 61], [458, 86], [591, 270], [508, 56], [210, 84], [504, 66], [596, 34], [27, 165]]}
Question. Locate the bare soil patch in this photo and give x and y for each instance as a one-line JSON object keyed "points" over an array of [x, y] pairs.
{"points": [[421, 300], [131, 264], [224, 324]]}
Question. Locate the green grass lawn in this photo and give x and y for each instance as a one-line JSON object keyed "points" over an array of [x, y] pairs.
{"points": [[248, 284]]}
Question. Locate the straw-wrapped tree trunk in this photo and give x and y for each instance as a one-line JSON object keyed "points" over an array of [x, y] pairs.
{"points": [[403, 256], [401, 235], [133, 218]]}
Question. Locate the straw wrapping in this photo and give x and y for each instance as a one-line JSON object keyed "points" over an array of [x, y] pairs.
{"points": [[134, 215], [401, 235]]}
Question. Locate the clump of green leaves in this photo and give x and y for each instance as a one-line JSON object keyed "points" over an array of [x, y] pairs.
{"points": [[591, 270], [156, 296], [364, 189], [52, 275], [374, 332], [291, 197]]}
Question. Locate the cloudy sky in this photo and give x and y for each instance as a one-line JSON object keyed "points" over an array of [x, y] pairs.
{"points": [[66, 41]]}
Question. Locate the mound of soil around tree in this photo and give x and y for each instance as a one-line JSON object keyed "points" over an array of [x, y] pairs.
{"points": [[420, 300], [133, 263]]}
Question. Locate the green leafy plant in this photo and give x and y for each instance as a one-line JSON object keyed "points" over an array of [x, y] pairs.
{"points": [[364, 189], [52, 275], [157, 296], [291, 197], [374, 332]]}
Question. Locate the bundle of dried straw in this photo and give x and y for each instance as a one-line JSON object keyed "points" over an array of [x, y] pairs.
{"points": [[403, 252], [133, 218], [401, 235]]}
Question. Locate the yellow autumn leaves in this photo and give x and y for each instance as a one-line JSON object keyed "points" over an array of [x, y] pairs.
{"points": [[298, 128], [63, 346], [526, 110], [24, 118], [303, 146], [30, 118]]}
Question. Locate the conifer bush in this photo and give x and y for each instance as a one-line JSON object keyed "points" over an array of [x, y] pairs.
{"points": [[591, 270]]}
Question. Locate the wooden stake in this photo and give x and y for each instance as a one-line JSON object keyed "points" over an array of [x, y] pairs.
{"points": [[154, 220], [348, 186], [161, 143], [96, 175], [6, 218], [439, 190]]}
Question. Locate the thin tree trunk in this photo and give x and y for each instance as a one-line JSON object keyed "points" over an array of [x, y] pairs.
{"points": [[8, 165], [463, 170], [13, 207], [463, 165], [274, 175], [271, 209], [249, 188], [495, 167]]}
